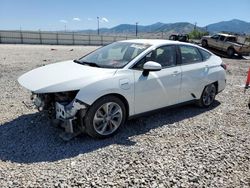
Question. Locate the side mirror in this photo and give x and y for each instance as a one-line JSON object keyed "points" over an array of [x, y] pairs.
{"points": [[151, 66]]}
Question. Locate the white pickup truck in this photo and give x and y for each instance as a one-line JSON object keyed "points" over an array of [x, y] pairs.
{"points": [[227, 43]]}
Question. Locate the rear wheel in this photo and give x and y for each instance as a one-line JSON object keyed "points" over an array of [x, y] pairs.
{"points": [[208, 96], [105, 117], [230, 52]]}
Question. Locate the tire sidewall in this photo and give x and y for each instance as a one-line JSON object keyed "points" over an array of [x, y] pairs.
{"points": [[88, 120], [204, 43], [201, 102], [230, 52]]}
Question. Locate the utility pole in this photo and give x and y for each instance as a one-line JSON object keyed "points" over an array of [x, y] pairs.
{"points": [[195, 25], [136, 29], [98, 32]]}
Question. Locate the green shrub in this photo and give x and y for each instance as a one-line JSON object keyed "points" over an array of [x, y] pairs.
{"points": [[196, 34]]}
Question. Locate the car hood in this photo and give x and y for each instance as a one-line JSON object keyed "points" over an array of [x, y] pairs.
{"points": [[63, 76]]}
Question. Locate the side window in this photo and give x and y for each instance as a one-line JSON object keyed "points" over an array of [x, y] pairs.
{"points": [[190, 54], [231, 39], [139, 64], [216, 37], [205, 55], [149, 57], [165, 55], [222, 38]]}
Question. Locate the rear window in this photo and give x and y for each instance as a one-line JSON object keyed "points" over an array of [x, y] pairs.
{"points": [[205, 55], [190, 54]]}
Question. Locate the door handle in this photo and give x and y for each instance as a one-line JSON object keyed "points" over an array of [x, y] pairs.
{"points": [[206, 67], [176, 73]]}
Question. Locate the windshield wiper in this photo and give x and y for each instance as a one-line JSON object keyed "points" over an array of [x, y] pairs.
{"points": [[87, 63], [77, 61], [91, 64]]}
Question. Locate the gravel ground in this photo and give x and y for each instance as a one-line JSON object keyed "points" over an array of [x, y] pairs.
{"points": [[181, 147]]}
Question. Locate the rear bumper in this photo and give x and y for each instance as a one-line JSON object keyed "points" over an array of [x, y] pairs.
{"points": [[221, 85]]}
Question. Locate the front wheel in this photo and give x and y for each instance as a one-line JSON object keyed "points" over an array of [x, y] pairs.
{"points": [[204, 43], [104, 117], [208, 96]]}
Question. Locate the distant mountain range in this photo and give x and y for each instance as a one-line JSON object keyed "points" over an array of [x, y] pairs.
{"points": [[236, 26]]}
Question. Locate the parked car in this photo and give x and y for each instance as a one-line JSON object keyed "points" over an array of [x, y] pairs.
{"points": [[179, 37], [100, 91], [226, 43]]}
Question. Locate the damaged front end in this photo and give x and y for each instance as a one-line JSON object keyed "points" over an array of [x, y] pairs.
{"points": [[64, 110]]}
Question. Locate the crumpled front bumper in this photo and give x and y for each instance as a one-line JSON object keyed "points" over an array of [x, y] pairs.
{"points": [[64, 112], [67, 114]]}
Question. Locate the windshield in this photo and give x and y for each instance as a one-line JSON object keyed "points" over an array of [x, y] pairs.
{"points": [[115, 55]]}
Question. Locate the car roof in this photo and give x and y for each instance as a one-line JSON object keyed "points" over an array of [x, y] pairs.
{"points": [[154, 41], [226, 35]]}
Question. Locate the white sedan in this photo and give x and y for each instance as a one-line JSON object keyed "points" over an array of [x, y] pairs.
{"points": [[97, 93]]}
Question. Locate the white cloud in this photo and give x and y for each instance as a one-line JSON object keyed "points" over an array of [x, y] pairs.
{"points": [[76, 19], [63, 21], [89, 19], [103, 19]]}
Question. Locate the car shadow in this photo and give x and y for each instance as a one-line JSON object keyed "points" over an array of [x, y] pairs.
{"points": [[30, 138]]}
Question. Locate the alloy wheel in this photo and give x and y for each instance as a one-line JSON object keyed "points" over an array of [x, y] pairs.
{"points": [[209, 95], [107, 118]]}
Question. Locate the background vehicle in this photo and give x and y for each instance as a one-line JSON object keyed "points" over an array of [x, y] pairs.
{"points": [[98, 92], [179, 37], [226, 43]]}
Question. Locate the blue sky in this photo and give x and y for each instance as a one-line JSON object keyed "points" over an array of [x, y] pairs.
{"points": [[82, 14]]}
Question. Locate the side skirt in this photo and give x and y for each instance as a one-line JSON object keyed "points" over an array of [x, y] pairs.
{"points": [[160, 109]]}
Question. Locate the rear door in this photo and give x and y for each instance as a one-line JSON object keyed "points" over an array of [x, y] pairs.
{"points": [[194, 73]]}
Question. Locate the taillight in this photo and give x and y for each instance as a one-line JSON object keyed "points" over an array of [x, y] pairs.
{"points": [[224, 66]]}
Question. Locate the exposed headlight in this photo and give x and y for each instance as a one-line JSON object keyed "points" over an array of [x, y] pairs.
{"points": [[38, 101], [70, 110]]}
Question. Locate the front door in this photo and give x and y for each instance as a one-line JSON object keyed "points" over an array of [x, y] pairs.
{"points": [[159, 88], [213, 42]]}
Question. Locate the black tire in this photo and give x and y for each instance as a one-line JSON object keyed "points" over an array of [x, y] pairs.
{"points": [[230, 52], [208, 96], [105, 120], [204, 43]]}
